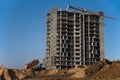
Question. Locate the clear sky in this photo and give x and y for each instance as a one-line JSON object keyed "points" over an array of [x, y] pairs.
{"points": [[23, 28]]}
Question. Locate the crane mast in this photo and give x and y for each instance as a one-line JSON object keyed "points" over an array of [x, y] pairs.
{"points": [[84, 10]]}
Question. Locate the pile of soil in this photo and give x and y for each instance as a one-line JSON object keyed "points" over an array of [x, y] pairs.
{"points": [[102, 70], [77, 72], [109, 72], [4, 74], [93, 69], [53, 72]]}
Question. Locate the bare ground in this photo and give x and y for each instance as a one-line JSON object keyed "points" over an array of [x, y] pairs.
{"points": [[103, 70]]}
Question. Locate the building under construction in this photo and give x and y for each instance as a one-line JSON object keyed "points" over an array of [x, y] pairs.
{"points": [[74, 38]]}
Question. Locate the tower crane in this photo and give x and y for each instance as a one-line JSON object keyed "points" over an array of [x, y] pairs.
{"points": [[83, 10]]}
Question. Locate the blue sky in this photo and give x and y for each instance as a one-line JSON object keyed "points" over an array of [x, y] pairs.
{"points": [[23, 28]]}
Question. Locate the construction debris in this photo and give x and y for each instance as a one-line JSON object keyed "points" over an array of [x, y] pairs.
{"points": [[31, 64]]}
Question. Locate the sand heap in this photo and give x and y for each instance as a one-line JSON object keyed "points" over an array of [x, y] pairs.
{"points": [[16, 74], [102, 70], [53, 72], [4, 74], [77, 72], [109, 72]]}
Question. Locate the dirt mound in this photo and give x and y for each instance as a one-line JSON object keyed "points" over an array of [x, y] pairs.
{"points": [[16, 74], [43, 72], [4, 74], [76, 72], [109, 72], [29, 72], [102, 70], [37, 72], [79, 74], [73, 70], [93, 69], [53, 72]]}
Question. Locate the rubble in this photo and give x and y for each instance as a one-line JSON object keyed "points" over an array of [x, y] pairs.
{"points": [[31, 64]]}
